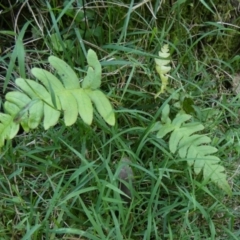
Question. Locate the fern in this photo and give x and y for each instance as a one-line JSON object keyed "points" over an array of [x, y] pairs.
{"points": [[192, 147], [47, 100], [162, 67]]}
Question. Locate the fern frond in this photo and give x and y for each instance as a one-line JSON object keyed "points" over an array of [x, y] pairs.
{"points": [[52, 97], [162, 67], [192, 147]]}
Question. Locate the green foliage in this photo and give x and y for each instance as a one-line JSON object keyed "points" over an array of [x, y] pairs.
{"points": [[73, 188], [192, 147], [47, 101], [163, 68]]}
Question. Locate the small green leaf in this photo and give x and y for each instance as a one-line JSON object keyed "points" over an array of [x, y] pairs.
{"points": [[88, 80], [85, 108], [164, 130], [8, 127], [18, 98], [51, 116], [11, 108], [13, 130], [69, 107], [68, 76], [165, 114], [92, 60], [94, 73], [103, 106], [35, 114], [180, 119]]}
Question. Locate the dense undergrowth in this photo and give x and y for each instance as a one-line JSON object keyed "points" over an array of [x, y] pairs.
{"points": [[61, 183]]}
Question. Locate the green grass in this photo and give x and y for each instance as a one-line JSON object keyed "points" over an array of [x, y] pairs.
{"points": [[62, 183]]}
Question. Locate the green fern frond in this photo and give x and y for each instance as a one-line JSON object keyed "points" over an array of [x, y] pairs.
{"points": [[51, 98], [162, 67], [192, 147]]}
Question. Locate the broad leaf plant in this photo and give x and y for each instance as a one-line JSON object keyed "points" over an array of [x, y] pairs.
{"points": [[34, 101]]}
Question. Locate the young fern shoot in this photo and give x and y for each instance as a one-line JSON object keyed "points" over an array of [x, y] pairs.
{"points": [[162, 67]]}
